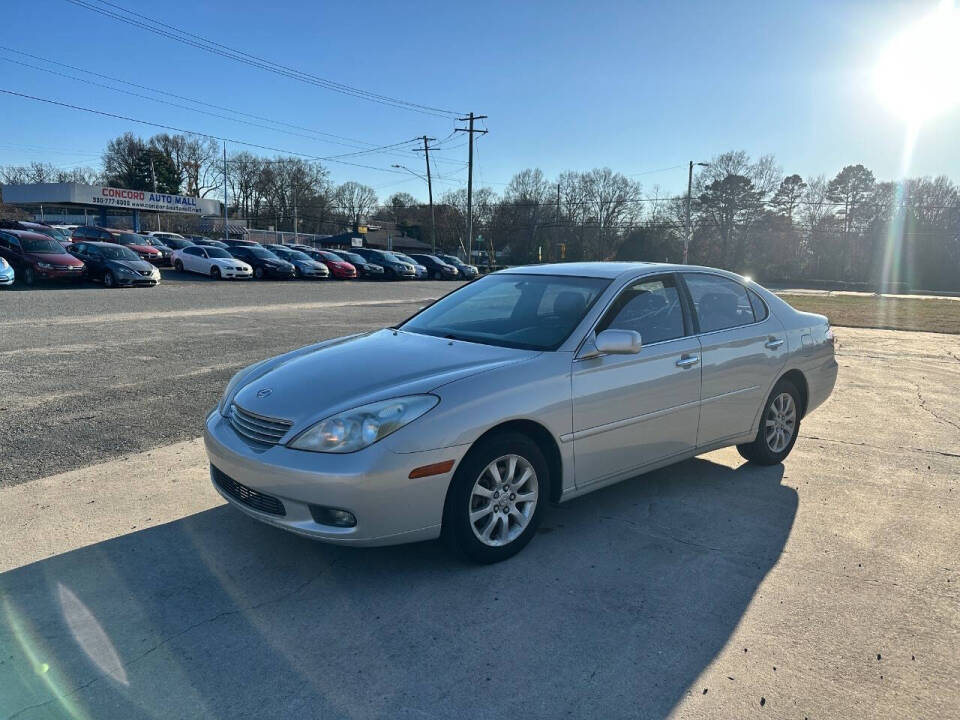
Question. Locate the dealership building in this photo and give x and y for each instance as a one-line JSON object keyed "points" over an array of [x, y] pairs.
{"points": [[77, 204]]}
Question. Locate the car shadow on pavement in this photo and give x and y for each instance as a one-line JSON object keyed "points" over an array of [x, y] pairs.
{"points": [[614, 610]]}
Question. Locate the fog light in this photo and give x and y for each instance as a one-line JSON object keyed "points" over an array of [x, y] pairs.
{"points": [[332, 516]]}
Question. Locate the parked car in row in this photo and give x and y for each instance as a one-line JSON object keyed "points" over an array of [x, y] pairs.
{"points": [[366, 269], [55, 232], [175, 243], [213, 262], [135, 242], [467, 272], [35, 256], [114, 265], [165, 250], [7, 274], [393, 267], [264, 263], [241, 243], [338, 267], [419, 268], [305, 265], [437, 269]]}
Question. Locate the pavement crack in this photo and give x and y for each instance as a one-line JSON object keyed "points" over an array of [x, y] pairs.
{"points": [[937, 416], [943, 453]]}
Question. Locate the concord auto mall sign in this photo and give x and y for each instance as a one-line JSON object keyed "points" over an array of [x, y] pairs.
{"points": [[143, 200], [106, 197]]}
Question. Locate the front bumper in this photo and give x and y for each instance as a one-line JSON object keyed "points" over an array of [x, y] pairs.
{"points": [[372, 483], [234, 274], [7, 276], [58, 273]]}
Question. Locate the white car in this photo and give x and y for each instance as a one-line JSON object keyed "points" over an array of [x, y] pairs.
{"points": [[161, 235], [210, 261]]}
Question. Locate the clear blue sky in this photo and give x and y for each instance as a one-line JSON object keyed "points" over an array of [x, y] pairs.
{"points": [[636, 87]]}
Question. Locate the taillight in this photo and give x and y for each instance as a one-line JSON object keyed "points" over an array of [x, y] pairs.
{"points": [[828, 335]]}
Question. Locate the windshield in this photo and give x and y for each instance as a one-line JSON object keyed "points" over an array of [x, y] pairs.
{"points": [[41, 245], [450, 260], [215, 252], [534, 312], [351, 257], [131, 239], [257, 252], [289, 254], [405, 258], [332, 257], [112, 252]]}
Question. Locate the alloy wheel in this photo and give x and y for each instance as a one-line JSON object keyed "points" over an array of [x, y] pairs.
{"points": [[503, 500], [781, 422]]}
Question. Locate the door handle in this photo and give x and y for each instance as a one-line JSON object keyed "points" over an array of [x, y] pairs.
{"points": [[773, 343], [686, 361]]}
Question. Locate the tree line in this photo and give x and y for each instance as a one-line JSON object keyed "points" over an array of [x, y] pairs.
{"points": [[746, 214]]}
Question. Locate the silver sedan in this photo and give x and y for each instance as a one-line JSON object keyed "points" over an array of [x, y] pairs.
{"points": [[529, 386]]}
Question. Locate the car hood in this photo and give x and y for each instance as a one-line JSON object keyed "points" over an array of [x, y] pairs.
{"points": [[383, 364], [55, 258], [135, 265], [148, 249]]}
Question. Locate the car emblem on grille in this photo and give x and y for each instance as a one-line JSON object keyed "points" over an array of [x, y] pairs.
{"points": [[264, 392]]}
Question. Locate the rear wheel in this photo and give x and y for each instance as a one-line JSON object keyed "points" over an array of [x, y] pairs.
{"points": [[779, 427], [495, 501], [215, 272], [109, 280]]}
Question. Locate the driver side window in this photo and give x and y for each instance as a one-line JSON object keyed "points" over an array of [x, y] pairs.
{"points": [[650, 307]]}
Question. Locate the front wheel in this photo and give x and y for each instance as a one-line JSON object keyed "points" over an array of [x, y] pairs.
{"points": [[178, 266], [258, 273], [779, 427], [496, 498], [109, 280], [29, 276], [215, 273]]}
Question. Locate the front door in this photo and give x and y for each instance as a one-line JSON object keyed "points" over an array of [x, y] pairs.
{"points": [[630, 411], [743, 347]]}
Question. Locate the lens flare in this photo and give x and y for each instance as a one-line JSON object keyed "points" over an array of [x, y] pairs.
{"points": [[917, 74]]}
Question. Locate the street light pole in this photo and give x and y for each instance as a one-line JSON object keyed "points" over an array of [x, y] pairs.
{"points": [[688, 237]]}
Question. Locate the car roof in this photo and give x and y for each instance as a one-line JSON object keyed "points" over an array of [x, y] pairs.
{"points": [[612, 270], [29, 234]]}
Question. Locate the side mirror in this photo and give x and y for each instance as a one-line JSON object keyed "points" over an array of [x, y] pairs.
{"points": [[619, 342]]}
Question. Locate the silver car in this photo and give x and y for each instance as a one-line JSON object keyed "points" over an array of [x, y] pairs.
{"points": [[531, 385]]}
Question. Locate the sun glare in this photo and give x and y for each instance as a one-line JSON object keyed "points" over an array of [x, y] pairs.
{"points": [[918, 74]]}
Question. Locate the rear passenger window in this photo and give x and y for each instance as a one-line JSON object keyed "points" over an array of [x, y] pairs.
{"points": [[719, 302], [649, 307], [759, 306]]}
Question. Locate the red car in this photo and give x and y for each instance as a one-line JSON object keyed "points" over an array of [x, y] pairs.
{"points": [[338, 267], [38, 257], [92, 233]]}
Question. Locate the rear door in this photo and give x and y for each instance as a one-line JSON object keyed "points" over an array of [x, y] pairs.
{"points": [[633, 410], [742, 348]]}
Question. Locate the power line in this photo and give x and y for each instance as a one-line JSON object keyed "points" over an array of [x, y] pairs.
{"points": [[192, 132], [182, 36], [372, 149]]}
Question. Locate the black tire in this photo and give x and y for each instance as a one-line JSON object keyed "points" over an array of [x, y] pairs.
{"points": [[258, 273], [109, 281], [458, 531], [178, 266], [764, 450], [29, 276], [215, 272]]}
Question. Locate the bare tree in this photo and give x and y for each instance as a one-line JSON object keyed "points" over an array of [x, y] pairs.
{"points": [[355, 201]]}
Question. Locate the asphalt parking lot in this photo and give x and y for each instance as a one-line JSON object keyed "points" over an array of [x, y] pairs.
{"points": [[823, 588]]}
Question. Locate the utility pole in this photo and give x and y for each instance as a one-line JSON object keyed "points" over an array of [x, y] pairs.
{"points": [[226, 233], [470, 118], [688, 237], [294, 213], [153, 175], [433, 219]]}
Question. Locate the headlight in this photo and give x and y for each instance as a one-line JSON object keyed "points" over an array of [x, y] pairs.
{"points": [[3, 264], [358, 428], [44, 266], [127, 271]]}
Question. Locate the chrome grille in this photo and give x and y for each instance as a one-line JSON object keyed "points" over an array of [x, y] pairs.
{"points": [[261, 429]]}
